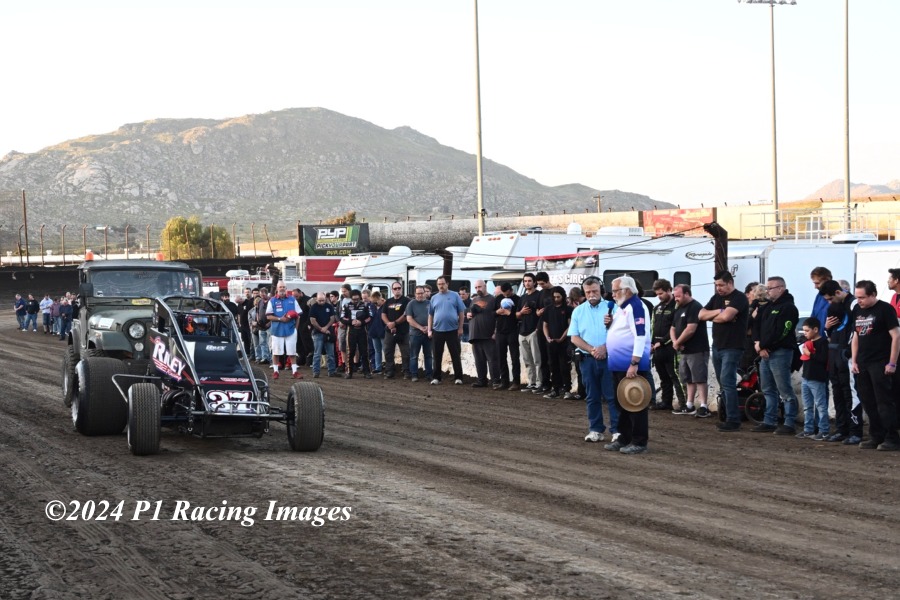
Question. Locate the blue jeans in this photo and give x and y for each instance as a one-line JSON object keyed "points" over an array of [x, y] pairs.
{"points": [[815, 400], [65, 326], [598, 386], [318, 344], [375, 356], [31, 319], [21, 320], [264, 351], [416, 343], [775, 376], [725, 364]]}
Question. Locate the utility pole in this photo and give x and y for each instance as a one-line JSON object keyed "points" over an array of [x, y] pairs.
{"points": [[598, 198], [25, 223]]}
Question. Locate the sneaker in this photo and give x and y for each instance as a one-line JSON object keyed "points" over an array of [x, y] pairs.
{"points": [[803, 435], [576, 396], [594, 436], [764, 428], [702, 413], [821, 437], [835, 437], [613, 446], [333, 374], [367, 376], [853, 440], [315, 375], [457, 382], [685, 410], [728, 427], [435, 382], [633, 449], [869, 445], [538, 390], [785, 430], [274, 374], [478, 384], [414, 379], [569, 396], [499, 386], [526, 388], [348, 375], [296, 375], [552, 394], [887, 446], [514, 387]]}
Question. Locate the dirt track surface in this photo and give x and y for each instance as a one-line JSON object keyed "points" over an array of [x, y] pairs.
{"points": [[455, 493]]}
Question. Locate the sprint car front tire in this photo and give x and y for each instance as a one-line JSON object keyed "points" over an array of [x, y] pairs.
{"points": [[306, 417], [144, 415], [97, 407]]}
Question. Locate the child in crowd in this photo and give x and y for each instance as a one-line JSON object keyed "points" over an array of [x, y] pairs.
{"points": [[814, 354]]}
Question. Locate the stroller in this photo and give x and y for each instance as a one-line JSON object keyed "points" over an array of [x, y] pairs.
{"points": [[751, 400]]}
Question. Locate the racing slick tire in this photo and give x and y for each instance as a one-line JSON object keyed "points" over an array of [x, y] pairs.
{"points": [[144, 418], [97, 406], [260, 373], [70, 360], [305, 417]]}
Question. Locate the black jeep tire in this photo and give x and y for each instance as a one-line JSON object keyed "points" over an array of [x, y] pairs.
{"points": [[755, 407], [143, 419], [97, 407], [305, 417], [94, 353], [69, 378]]}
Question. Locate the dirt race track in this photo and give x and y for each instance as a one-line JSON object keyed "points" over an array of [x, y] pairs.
{"points": [[454, 493]]}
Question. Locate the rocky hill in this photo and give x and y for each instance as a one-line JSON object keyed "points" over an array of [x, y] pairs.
{"points": [[835, 189], [276, 168]]}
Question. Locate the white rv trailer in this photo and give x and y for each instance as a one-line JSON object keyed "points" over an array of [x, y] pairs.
{"points": [[873, 259], [615, 251], [756, 260]]}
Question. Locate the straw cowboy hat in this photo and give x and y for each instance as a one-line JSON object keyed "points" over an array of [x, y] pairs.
{"points": [[634, 394]]}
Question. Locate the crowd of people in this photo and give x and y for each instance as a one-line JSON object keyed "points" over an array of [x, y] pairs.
{"points": [[848, 351], [55, 314]]}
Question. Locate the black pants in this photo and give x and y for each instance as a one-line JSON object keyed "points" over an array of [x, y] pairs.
{"points": [[451, 339], [634, 427], [509, 342], [358, 342], [391, 343], [576, 358], [877, 393], [485, 354], [560, 370], [664, 361], [305, 346], [847, 418], [545, 361]]}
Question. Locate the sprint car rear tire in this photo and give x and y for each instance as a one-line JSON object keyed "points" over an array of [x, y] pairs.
{"points": [[97, 407], [260, 373], [306, 417], [143, 419], [70, 359]]}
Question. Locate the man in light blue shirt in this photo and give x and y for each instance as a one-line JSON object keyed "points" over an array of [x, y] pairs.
{"points": [[588, 333], [445, 326]]}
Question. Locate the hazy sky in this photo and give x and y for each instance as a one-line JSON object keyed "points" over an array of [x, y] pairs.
{"points": [[669, 98]]}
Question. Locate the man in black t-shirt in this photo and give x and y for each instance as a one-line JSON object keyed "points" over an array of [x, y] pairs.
{"points": [[396, 331], [542, 279], [663, 353], [530, 332], [556, 320], [873, 358], [507, 338], [690, 340], [727, 309]]}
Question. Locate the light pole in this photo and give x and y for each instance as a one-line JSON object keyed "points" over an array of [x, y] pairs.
{"points": [[479, 182], [847, 110], [772, 4]]}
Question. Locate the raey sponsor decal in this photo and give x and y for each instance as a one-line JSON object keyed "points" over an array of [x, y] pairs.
{"points": [[142, 301], [165, 362]]}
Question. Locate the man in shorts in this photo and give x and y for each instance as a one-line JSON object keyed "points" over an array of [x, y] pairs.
{"points": [[690, 341]]}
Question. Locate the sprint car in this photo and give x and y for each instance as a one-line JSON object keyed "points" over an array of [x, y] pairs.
{"points": [[200, 382]]}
